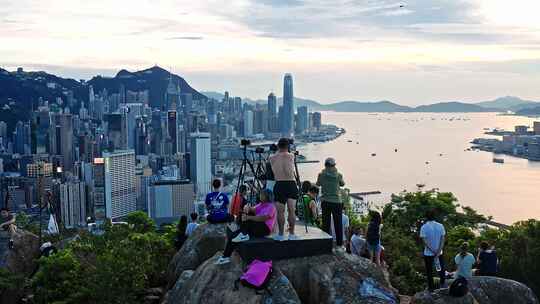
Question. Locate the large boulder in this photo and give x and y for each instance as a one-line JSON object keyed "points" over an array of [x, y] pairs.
{"points": [[20, 261], [215, 284], [205, 241], [334, 278], [485, 290]]}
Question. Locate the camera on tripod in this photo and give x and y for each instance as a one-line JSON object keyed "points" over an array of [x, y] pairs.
{"points": [[245, 142], [259, 150]]}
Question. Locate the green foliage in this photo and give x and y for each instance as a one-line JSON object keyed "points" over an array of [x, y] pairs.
{"points": [[402, 219], [141, 222], [518, 250], [9, 280], [24, 222], [115, 267]]}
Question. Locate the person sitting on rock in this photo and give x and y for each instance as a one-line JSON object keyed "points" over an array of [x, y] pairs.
{"points": [[193, 224], [487, 260], [358, 243], [308, 209], [464, 262], [217, 204], [239, 201], [7, 223], [181, 235], [257, 221]]}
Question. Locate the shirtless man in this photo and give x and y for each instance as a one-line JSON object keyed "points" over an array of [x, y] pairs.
{"points": [[285, 189]]}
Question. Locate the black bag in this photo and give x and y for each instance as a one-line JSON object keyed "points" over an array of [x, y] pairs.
{"points": [[459, 288]]}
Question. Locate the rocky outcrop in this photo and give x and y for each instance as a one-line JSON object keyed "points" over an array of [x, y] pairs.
{"points": [[205, 241], [485, 290], [215, 284], [333, 278], [20, 261]]}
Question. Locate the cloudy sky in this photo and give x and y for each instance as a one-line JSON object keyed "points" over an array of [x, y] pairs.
{"points": [[411, 51]]}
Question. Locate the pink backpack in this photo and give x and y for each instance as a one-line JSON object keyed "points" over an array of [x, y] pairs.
{"points": [[257, 275]]}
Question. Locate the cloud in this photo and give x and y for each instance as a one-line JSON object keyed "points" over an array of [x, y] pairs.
{"points": [[186, 38]]}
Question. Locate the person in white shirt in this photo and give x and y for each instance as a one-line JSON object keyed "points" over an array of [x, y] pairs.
{"points": [[345, 225], [358, 242], [193, 224], [433, 235], [464, 262]]}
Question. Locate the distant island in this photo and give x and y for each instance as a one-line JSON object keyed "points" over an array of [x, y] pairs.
{"points": [[502, 104]]}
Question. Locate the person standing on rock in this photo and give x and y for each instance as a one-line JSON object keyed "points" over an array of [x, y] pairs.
{"points": [[330, 181], [285, 189], [7, 223], [256, 221], [433, 235]]}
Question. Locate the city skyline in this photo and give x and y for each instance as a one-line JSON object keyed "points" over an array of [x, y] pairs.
{"points": [[412, 52]]}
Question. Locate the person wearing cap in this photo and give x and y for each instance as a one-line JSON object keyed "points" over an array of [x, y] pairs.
{"points": [[330, 181], [285, 188]]}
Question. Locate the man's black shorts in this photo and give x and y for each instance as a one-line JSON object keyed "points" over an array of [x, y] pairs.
{"points": [[284, 190]]}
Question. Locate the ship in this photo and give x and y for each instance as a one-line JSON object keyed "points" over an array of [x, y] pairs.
{"points": [[498, 160]]}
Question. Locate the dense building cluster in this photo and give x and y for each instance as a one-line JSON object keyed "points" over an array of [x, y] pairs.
{"points": [[111, 152]]}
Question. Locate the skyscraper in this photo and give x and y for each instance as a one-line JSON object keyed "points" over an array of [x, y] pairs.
{"points": [[172, 126], [248, 123], [272, 105], [317, 120], [91, 102], [303, 120], [61, 139], [120, 188], [287, 126], [201, 163]]}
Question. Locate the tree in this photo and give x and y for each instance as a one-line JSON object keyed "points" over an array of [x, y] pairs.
{"points": [[130, 258]]}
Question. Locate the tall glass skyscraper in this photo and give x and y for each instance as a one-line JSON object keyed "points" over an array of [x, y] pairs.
{"points": [[287, 128]]}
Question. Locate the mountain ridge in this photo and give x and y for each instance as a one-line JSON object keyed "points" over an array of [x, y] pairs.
{"points": [[374, 106]]}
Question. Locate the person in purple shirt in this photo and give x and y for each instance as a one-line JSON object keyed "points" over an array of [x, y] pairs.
{"points": [[217, 204], [257, 221]]}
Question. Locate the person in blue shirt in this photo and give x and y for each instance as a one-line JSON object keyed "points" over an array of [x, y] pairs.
{"points": [[217, 204]]}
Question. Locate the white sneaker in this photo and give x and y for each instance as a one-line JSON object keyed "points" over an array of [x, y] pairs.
{"points": [[293, 237], [241, 238], [278, 237], [222, 261]]}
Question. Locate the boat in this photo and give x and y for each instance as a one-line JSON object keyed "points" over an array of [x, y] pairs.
{"points": [[498, 160], [373, 154], [349, 140], [395, 150]]}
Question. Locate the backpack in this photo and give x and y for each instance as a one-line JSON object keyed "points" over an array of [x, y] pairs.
{"points": [[257, 275], [459, 288]]}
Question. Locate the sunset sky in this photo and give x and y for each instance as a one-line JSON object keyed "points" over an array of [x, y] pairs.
{"points": [[411, 52]]}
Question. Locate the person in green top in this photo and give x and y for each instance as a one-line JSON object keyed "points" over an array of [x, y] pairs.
{"points": [[309, 207], [331, 181]]}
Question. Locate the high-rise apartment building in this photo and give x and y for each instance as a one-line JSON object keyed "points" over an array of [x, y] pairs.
{"points": [[73, 203], [170, 199], [120, 188]]}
